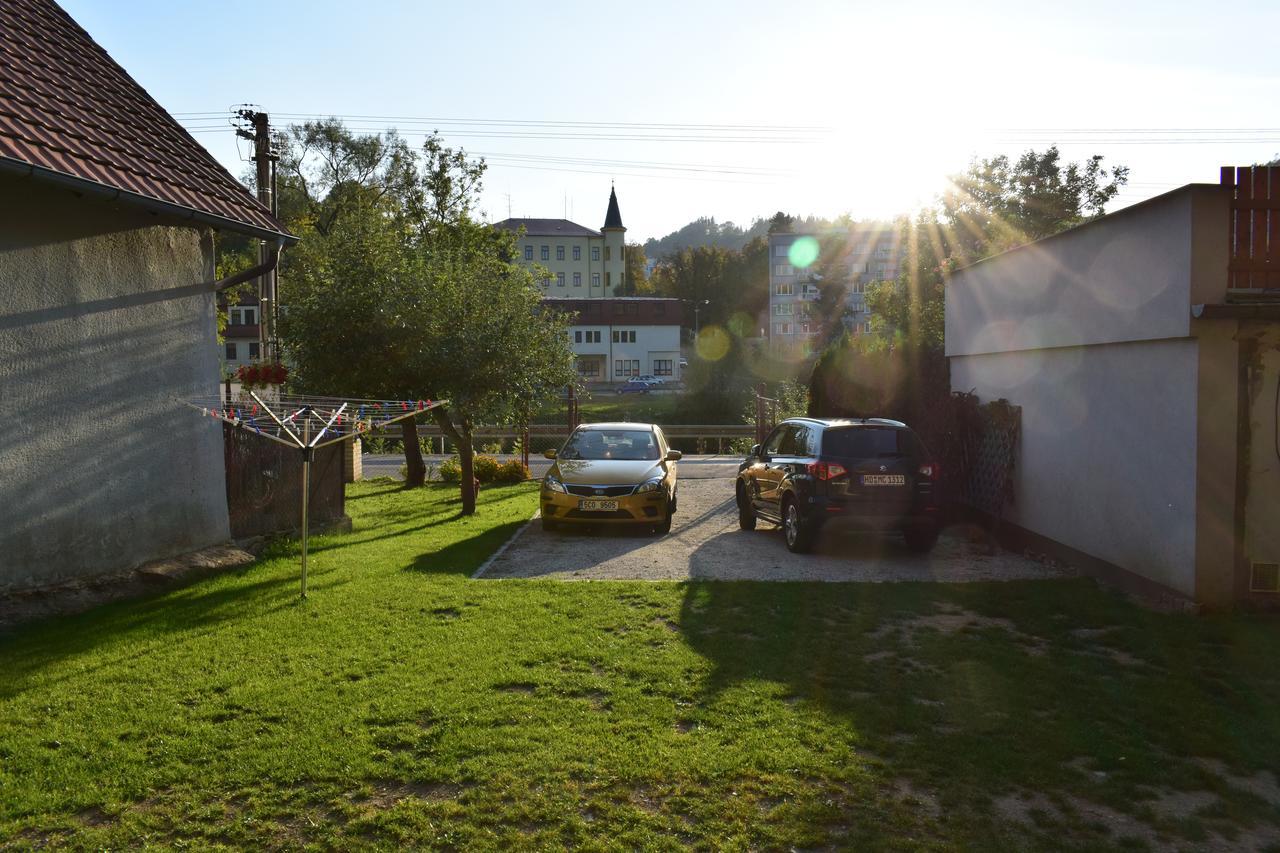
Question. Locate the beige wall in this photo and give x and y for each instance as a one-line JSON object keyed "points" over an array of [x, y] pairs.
{"points": [[586, 267], [106, 321], [1262, 502]]}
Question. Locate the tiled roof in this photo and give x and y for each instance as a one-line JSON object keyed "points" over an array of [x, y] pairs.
{"points": [[69, 113], [547, 227]]}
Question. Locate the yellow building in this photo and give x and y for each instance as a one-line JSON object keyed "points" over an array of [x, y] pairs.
{"points": [[574, 261]]}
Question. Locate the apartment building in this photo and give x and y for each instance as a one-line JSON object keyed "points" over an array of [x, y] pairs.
{"points": [[580, 271], [864, 253]]}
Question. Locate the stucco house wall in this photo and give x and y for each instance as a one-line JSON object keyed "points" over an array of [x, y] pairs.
{"points": [[107, 319], [1128, 404]]}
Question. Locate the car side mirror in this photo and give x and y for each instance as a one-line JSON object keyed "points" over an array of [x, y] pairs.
{"points": [[674, 455], [755, 450], [550, 454]]}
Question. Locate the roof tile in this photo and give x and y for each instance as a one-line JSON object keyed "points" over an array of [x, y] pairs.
{"points": [[68, 107]]}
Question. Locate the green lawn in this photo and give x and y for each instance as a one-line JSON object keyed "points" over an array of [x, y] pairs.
{"points": [[406, 705]]}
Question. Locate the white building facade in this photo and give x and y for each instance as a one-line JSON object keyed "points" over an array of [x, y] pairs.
{"points": [[581, 272]]}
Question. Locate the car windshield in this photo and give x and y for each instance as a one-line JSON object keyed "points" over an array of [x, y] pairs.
{"points": [[867, 442], [632, 444]]}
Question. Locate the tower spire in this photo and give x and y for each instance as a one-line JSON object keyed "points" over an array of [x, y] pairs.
{"points": [[613, 218]]}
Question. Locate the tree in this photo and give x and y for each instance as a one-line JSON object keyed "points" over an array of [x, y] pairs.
{"points": [[636, 277], [996, 205], [491, 348], [401, 294], [781, 223]]}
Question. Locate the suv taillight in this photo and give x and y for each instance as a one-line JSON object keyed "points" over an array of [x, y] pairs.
{"points": [[826, 470], [930, 471]]}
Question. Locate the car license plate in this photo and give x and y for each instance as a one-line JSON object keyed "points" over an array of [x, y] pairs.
{"points": [[598, 506], [884, 480]]}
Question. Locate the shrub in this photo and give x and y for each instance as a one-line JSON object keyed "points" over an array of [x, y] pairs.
{"points": [[484, 468], [513, 471], [451, 470]]}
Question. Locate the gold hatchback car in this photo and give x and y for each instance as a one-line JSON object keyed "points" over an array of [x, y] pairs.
{"points": [[619, 473]]}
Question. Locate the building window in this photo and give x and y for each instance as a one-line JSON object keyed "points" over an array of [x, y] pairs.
{"points": [[546, 253], [253, 349], [559, 253], [588, 367], [662, 367], [242, 316], [784, 308], [546, 281], [528, 252], [230, 351], [619, 307], [859, 287], [627, 367], [595, 253], [608, 252], [595, 279], [577, 337], [804, 328], [559, 279], [782, 328], [783, 269], [608, 280], [577, 279], [624, 336], [577, 253], [784, 289], [782, 250]]}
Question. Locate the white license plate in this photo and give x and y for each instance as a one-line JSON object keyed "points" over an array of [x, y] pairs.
{"points": [[884, 480], [598, 506]]}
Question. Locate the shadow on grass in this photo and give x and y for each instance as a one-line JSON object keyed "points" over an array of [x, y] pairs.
{"points": [[982, 688], [467, 555], [30, 653]]}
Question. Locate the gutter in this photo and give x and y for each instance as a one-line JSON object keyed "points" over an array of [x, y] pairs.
{"points": [[154, 205]]}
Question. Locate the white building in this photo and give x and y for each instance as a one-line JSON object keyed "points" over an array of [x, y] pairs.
{"points": [[867, 253], [580, 271], [626, 336]]}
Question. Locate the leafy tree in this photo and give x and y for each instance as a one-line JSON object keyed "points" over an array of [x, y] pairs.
{"points": [[635, 278], [396, 292], [995, 205], [781, 223]]}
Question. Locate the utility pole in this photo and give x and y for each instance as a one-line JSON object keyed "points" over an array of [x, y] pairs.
{"points": [[265, 157]]}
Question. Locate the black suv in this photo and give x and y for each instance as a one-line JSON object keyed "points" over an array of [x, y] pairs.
{"points": [[871, 473]]}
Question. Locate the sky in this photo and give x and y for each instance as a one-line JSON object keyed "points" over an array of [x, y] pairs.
{"points": [[727, 109]]}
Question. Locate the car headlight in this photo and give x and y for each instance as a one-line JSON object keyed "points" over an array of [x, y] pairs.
{"points": [[649, 486], [551, 484]]}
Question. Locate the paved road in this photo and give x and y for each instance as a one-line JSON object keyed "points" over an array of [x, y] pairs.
{"points": [[691, 467], [705, 543]]}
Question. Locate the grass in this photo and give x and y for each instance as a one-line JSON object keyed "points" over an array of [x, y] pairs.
{"points": [[404, 705]]}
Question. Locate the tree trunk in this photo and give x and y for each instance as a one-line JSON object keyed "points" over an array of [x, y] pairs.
{"points": [[461, 435], [415, 468], [466, 454]]}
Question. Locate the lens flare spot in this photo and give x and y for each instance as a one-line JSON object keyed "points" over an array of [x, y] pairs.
{"points": [[803, 252], [712, 343]]}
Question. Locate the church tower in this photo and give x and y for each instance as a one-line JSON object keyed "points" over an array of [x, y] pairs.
{"points": [[615, 234]]}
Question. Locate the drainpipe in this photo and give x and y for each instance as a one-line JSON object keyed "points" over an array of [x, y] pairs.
{"points": [[273, 259]]}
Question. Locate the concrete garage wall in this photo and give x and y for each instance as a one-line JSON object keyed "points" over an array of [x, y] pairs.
{"points": [[1127, 445], [103, 321], [1107, 463]]}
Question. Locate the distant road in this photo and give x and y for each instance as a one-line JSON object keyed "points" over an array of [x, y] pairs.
{"points": [[691, 466]]}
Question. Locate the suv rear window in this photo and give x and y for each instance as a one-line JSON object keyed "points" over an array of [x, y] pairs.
{"points": [[868, 442]]}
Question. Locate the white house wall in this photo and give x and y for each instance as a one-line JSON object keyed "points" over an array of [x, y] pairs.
{"points": [[104, 322], [1107, 459]]}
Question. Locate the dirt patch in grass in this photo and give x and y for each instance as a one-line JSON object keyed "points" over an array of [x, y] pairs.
{"points": [[949, 620], [523, 687], [388, 792], [1261, 784]]}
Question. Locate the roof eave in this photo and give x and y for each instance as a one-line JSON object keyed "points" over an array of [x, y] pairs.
{"points": [[155, 205]]}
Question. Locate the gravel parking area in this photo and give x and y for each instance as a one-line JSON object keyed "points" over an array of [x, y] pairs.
{"points": [[705, 543]]}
